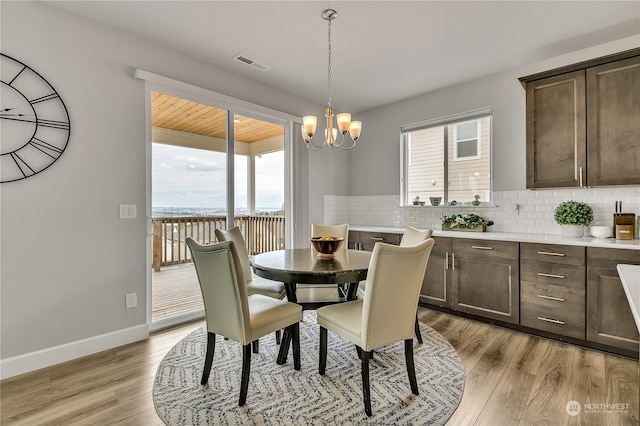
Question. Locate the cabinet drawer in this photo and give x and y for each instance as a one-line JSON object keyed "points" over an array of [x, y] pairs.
{"points": [[485, 248], [365, 240], [567, 322], [553, 273], [610, 258], [556, 298], [553, 253]]}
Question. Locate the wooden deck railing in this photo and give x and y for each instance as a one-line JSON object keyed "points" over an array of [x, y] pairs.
{"points": [[261, 233]]}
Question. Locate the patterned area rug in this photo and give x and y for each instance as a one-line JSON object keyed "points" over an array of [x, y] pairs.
{"points": [[280, 395]]}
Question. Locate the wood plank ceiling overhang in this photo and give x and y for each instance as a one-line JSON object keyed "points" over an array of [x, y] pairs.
{"points": [[172, 113]]}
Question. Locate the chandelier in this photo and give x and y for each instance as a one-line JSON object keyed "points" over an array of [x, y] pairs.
{"points": [[343, 120]]}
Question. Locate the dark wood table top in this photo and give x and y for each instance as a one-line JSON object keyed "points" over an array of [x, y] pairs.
{"points": [[304, 266]]}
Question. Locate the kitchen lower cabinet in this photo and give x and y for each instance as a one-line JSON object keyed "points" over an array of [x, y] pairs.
{"points": [[436, 287], [485, 278], [552, 288], [365, 240], [609, 317]]}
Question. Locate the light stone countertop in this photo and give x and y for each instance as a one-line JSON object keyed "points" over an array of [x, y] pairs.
{"points": [[630, 277], [516, 237]]}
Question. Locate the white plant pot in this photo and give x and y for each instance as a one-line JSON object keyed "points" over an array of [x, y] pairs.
{"points": [[573, 231]]}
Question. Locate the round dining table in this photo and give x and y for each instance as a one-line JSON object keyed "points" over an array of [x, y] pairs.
{"points": [[304, 266]]}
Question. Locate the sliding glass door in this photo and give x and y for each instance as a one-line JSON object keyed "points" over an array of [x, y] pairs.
{"points": [[197, 187]]}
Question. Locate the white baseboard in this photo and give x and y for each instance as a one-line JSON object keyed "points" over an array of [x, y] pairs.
{"points": [[25, 363]]}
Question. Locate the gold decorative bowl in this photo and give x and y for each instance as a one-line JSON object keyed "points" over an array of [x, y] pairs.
{"points": [[326, 246]]}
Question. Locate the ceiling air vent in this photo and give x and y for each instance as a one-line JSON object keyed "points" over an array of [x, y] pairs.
{"points": [[255, 64]]}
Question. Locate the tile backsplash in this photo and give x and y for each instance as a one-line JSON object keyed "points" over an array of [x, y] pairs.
{"points": [[523, 211]]}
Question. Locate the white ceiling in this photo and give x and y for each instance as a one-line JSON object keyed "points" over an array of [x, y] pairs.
{"points": [[382, 51]]}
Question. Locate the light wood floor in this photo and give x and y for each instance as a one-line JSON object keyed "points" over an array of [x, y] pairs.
{"points": [[511, 379]]}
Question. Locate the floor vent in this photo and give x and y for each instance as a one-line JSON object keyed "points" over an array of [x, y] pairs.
{"points": [[255, 64]]}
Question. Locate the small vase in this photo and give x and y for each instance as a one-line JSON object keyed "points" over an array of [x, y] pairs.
{"points": [[573, 231]]}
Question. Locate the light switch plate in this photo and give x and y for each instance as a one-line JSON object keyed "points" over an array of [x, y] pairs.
{"points": [[128, 211]]}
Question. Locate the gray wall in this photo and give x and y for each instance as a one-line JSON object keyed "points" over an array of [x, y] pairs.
{"points": [[67, 260], [375, 164]]}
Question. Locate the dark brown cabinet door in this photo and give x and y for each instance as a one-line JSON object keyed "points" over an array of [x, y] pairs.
{"points": [[609, 317], [436, 287], [556, 131], [485, 279], [613, 123]]}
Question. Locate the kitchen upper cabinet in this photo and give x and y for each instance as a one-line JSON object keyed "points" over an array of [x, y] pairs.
{"points": [[556, 131], [582, 124], [613, 123]]}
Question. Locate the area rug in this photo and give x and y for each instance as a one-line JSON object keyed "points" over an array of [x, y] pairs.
{"points": [[280, 395]]}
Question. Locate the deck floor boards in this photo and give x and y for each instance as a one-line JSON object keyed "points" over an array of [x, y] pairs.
{"points": [[175, 291]]}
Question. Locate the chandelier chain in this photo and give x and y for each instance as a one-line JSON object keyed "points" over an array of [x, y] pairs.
{"points": [[329, 67]]}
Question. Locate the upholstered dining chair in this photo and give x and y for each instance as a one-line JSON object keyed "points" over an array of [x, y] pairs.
{"points": [[386, 315], [231, 312], [311, 294], [410, 237], [255, 284]]}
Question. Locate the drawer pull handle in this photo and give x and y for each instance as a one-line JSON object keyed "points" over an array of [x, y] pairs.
{"points": [[557, 299], [482, 247], [547, 253], [446, 261], [542, 274], [554, 321], [377, 239]]}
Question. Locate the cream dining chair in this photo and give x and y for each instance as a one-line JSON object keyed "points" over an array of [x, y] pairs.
{"points": [[255, 284], [313, 295], [232, 313], [386, 315], [410, 237]]}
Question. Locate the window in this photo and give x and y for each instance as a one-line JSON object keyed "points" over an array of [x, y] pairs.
{"points": [[466, 141], [448, 157]]}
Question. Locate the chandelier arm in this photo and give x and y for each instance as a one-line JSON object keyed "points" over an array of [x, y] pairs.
{"points": [[346, 148], [317, 148]]}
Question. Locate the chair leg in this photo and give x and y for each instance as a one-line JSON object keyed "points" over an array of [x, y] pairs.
{"points": [[408, 356], [284, 346], [366, 389], [417, 327], [255, 345], [295, 330], [322, 365], [246, 368], [208, 359], [278, 337]]}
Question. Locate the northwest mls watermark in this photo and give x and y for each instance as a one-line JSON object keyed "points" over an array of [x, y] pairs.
{"points": [[574, 408]]}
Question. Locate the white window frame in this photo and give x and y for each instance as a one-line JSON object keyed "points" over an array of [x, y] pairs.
{"points": [[405, 151]]}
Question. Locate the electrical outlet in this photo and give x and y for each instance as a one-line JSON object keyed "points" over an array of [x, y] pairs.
{"points": [[131, 300]]}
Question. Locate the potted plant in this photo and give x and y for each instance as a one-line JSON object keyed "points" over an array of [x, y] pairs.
{"points": [[476, 200], [573, 216]]}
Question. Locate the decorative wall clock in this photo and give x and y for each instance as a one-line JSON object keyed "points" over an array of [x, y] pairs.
{"points": [[34, 122]]}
